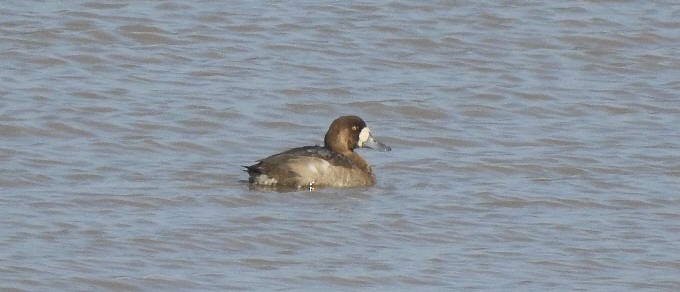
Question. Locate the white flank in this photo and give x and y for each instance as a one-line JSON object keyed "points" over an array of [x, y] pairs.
{"points": [[265, 180]]}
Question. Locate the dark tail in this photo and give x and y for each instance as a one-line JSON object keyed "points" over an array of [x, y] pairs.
{"points": [[253, 171]]}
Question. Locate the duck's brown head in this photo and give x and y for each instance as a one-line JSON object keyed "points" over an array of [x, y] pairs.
{"points": [[349, 132]]}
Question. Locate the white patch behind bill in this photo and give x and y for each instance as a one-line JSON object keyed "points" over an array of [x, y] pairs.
{"points": [[363, 136]]}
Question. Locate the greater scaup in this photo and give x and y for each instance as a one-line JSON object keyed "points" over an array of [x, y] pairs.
{"points": [[333, 165]]}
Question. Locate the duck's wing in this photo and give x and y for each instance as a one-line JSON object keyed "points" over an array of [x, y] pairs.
{"points": [[319, 152], [295, 166]]}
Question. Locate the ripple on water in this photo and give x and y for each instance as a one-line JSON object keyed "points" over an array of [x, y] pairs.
{"points": [[534, 148]]}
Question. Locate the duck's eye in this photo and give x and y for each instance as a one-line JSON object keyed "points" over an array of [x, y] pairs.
{"points": [[354, 128]]}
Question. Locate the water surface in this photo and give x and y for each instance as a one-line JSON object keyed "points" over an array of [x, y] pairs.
{"points": [[535, 145]]}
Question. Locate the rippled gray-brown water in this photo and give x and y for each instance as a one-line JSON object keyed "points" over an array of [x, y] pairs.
{"points": [[535, 145]]}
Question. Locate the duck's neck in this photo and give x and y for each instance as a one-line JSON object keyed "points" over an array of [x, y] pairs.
{"points": [[358, 161]]}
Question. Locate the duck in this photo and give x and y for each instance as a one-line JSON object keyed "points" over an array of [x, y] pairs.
{"points": [[335, 164]]}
